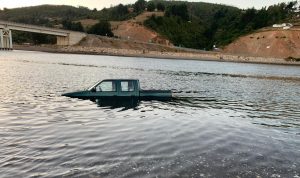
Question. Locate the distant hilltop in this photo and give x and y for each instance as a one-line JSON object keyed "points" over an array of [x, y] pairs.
{"points": [[197, 25]]}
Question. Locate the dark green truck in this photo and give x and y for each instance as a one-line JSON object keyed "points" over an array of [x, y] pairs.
{"points": [[120, 89]]}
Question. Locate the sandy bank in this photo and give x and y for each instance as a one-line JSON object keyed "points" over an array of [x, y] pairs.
{"points": [[188, 55]]}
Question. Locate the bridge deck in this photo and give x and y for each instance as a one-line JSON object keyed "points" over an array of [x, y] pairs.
{"points": [[33, 28], [64, 37]]}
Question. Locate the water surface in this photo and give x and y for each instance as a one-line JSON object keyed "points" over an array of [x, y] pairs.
{"points": [[228, 119]]}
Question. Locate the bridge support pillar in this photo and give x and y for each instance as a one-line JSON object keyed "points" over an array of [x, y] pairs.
{"points": [[1, 39], [62, 40], [10, 40], [5, 39]]}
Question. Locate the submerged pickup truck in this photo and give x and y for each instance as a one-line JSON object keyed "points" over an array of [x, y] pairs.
{"points": [[120, 89]]}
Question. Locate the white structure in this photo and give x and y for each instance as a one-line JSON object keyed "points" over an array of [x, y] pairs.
{"points": [[64, 37], [5, 39], [284, 25]]}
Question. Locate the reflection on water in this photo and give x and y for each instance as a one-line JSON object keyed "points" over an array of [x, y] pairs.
{"points": [[226, 119], [118, 103]]}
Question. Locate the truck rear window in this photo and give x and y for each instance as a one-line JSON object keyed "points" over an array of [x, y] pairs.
{"points": [[127, 86]]}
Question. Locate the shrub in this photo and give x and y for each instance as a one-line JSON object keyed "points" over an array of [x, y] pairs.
{"points": [[102, 28]]}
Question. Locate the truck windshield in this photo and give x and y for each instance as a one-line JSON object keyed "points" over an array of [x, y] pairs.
{"points": [[106, 86], [93, 86]]}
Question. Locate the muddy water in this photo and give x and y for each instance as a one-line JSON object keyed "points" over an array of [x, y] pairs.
{"points": [[227, 119]]}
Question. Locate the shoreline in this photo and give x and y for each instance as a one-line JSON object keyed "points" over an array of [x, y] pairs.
{"points": [[179, 55]]}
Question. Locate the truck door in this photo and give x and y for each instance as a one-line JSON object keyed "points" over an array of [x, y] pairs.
{"points": [[128, 88]]}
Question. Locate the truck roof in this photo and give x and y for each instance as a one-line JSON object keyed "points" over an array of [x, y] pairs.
{"points": [[119, 79]]}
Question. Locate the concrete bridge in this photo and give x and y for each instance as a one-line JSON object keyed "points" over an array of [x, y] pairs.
{"points": [[64, 37]]}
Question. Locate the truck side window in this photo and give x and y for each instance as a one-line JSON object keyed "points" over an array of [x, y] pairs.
{"points": [[107, 86], [127, 86]]}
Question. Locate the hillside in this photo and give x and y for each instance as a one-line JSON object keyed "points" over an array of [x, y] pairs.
{"points": [[134, 29], [49, 15], [195, 25], [268, 43], [193, 36], [204, 25], [46, 15]]}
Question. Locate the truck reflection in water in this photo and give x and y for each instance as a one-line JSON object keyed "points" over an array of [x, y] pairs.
{"points": [[118, 103]]}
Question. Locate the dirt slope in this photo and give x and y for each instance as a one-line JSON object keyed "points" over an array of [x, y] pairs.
{"points": [[268, 43], [134, 30], [113, 43]]}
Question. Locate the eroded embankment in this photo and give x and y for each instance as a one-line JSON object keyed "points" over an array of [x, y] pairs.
{"points": [[275, 43]]}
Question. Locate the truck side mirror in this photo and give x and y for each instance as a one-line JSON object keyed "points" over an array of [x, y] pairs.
{"points": [[93, 90]]}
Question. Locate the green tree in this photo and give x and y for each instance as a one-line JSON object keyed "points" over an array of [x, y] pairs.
{"points": [[150, 6], [248, 17], [102, 28], [139, 6], [180, 10], [261, 19], [160, 6], [77, 26], [74, 26], [120, 11]]}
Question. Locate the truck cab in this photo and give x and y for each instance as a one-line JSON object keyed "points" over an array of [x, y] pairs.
{"points": [[117, 87]]}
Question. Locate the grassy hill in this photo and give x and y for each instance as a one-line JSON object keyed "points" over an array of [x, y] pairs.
{"points": [[47, 15], [50, 15]]}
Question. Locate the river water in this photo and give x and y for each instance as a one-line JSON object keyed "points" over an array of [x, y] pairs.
{"points": [[228, 119]]}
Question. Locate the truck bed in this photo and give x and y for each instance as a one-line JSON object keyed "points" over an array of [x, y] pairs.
{"points": [[155, 94]]}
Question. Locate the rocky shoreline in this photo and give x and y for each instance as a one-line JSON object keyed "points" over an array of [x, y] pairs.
{"points": [[180, 54]]}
